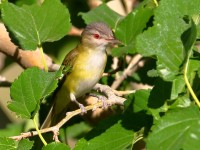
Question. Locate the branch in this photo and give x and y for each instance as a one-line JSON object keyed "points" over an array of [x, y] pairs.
{"points": [[132, 67], [94, 3], [55, 129], [109, 93], [122, 93], [4, 82], [25, 59], [75, 31], [112, 100]]}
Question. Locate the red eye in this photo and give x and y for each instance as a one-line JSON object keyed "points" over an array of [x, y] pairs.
{"points": [[96, 36]]}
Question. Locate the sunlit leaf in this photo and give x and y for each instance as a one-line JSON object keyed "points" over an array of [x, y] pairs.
{"points": [[32, 25], [28, 90]]}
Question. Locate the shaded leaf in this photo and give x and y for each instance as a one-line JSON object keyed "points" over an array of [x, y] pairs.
{"points": [[56, 146], [193, 66], [25, 144], [189, 36], [102, 13], [128, 29], [140, 100], [178, 86], [109, 134], [11, 129], [22, 2], [159, 94]]}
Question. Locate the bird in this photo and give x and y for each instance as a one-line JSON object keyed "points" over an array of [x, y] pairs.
{"points": [[87, 62]]}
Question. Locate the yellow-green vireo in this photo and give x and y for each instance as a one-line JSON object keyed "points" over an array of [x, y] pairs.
{"points": [[87, 63]]}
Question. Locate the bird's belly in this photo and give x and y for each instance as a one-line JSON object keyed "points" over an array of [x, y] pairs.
{"points": [[83, 77], [85, 85]]}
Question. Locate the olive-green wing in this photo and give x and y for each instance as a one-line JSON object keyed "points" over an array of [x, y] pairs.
{"points": [[70, 58], [68, 65]]}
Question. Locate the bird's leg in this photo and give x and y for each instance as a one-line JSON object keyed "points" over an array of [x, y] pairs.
{"points": [[101, 98], [73, 99]]}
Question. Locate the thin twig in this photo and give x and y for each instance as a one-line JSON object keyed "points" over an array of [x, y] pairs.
{"points": [[69, 115], [122, 93], [24, 58], [75, 31], [109, 92], [112, 100], [132, 67], [94, 3], [4, 82]]}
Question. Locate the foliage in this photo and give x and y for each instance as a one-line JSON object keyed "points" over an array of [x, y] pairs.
{"points": [[165, 117], [34, 25], [26, 93], [6, 143]]}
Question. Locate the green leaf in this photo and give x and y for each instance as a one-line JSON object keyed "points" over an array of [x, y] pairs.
{"points": [[77, 129], [178, 129], [22, 2], [32, 25], [152, 73], [10, 144], [164, 39], [30, 87], [141, 100], [120, 51], [80, 145], [7, 143], [178, 86], [25, 144], [146, 101], [109, 134], [193, 66], [11, 129], [159, 94], [103, 14], [128, 29], [189, 36], [181, 101], [56, 146]]}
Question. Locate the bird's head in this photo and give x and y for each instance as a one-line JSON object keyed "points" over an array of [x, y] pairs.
{"points": [[98, 35]]}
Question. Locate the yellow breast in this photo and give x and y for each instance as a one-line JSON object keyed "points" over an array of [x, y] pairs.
{"points": [[86, 72]]}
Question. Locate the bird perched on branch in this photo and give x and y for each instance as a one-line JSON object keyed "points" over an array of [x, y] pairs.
{"points": [[87, 63]]}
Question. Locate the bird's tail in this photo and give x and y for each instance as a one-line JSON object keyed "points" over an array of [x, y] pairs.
{"points": [[58, 109], [53, 118], [47, 122]]}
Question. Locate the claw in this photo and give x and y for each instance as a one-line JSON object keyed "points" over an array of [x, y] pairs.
{"points": [[73, 99], [102, 99], [83, 110]]}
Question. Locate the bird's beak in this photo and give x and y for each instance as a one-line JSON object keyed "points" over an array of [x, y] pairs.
{"points": [[114, 41]]}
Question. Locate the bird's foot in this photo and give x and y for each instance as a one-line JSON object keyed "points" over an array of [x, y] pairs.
{"points": [[83, 110], [73, 99], [103, 100]]}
